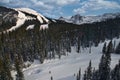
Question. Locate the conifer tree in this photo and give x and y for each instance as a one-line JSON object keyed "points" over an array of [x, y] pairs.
{"points": [[110, 48], [104, 68], [78, 45], [115, 73], [104, 48], [19, 75], [79, 74], [88, 73], [7, 67], [5, 73], [51, 78], [117, 51], [85, 76], [78, 77], [95, 75], [2, 72]]}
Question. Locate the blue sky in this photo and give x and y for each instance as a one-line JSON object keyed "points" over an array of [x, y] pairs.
{"points": [[66, 8]]}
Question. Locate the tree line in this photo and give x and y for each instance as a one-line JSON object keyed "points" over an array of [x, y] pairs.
{"points": [[23, 45], [104, 71]]}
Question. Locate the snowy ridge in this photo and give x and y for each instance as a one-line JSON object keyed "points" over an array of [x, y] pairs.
{"points": [[20, 21], [78, 19], [40, 17], [21, 18], [54, 20]]}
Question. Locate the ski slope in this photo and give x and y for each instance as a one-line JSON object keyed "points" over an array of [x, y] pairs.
{"points": [[21, 18], [30, 27], [67, 66], [40, 17], [20, 21]]}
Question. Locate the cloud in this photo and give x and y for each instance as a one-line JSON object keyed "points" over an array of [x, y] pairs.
{"points": [[92, 5], [59, 2], [65, 2], [79, 10], [4, 1], [58, 7], [41, 4], [47, 7]]}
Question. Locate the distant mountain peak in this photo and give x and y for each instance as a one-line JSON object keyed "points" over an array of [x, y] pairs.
{"points": [[78, 19]]}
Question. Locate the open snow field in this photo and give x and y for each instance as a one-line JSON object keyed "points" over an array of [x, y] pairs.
{"points": [[67, 66]]}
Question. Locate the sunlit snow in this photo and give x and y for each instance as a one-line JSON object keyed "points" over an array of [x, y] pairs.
{"points": [[67, 66], [30, 27]]}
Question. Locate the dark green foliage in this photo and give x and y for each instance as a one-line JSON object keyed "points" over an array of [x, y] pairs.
{"points": [[110, 48], [78, 77], [55, 41], [18, 66], [104, 48], [115, 73], [5, 73], [104, 69], [117, 50], [88, 72], [104, 66], [51, 78], [95, 75]]}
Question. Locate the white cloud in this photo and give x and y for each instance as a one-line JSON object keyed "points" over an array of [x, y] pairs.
{"points": [[53, 7], [79, 10], [65, 2], [41, 4], [96, 5], [4, 1], [60, 2]]}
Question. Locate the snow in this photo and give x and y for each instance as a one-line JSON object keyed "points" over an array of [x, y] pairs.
{"points": [[77, 19], [54, 20], [21, 18], [67, 66], [30, 11], [20, 21], [40, 19], [30, 27], [44, 26]]}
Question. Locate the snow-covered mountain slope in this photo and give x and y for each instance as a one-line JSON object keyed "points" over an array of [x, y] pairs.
{"points": [[67, 66], [40, 17], [21, 16], [20, 21], [78, 19]]}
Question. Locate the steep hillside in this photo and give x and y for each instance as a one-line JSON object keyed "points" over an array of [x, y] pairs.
{"points": [[67, 67], [57, 49], [12, 19]]}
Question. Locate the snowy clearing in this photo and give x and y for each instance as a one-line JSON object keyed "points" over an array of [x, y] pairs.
{"points": [[67, 66], [44, 26], [30, 27]]}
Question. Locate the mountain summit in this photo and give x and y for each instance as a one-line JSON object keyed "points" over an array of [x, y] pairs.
{"points": [[19, 16], [78, 19]]}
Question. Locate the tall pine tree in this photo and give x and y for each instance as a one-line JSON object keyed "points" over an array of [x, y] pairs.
{"points": [[115, 73], [117, 51], [88, 72], [19, 75]]}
